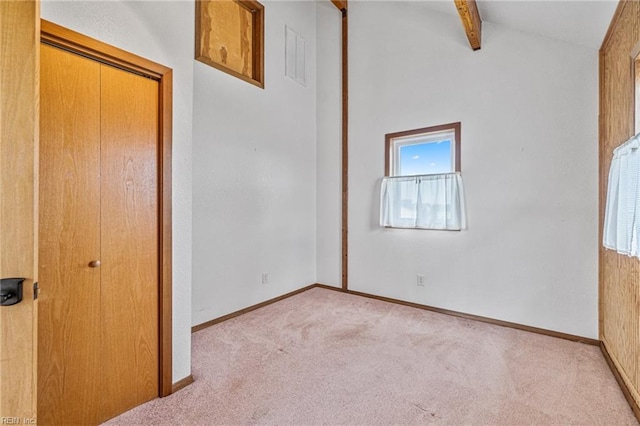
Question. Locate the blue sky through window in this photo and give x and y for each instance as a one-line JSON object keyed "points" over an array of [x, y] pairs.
{"points": [[425, 158]]}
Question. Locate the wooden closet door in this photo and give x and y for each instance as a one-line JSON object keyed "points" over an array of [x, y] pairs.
{"points": [[129, 200], [98, 326], [69, 359]]}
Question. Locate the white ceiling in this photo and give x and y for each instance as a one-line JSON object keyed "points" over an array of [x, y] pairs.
{"points": [[582, 22]]}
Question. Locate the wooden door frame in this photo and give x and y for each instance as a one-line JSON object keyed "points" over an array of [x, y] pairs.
{"points": [[72, 41]]}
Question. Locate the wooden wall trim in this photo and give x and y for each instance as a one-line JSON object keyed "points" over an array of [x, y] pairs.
{"points": [[571, 337], [342, 5], [75, 42], [166, 235], [345, 149], [248, 309], [472, 317], [613, 365], [181, 384], [86, 46], [492, 321], [601, 193]]}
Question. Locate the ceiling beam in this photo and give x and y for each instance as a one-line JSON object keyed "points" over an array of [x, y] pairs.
{"points": [[340, 4], [468, 10]]}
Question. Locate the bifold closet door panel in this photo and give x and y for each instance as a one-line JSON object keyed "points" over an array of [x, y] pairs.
{"points": [[69, 347], [129, 223]]}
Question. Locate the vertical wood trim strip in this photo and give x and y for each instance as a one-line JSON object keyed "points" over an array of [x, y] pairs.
{"points": [[345, 150], [102, 52], [198, 28], [258, 45], [36, 210], [601, 195], [166, 254]]}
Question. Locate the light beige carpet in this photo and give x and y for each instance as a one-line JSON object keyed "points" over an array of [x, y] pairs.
{"points": [[324, 357]]}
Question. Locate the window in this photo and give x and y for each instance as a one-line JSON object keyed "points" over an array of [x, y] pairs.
{"points": [[427, 151], [423, 186]]}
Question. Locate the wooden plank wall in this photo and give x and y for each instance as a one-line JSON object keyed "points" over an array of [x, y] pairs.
{"points": [[19, 41], [619, 274]]}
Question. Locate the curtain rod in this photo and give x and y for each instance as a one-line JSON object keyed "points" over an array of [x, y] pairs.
{"points": [[418, 176]]}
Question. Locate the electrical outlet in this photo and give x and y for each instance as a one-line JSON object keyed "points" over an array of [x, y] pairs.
{"points": [[265, 278], [420, 280]]}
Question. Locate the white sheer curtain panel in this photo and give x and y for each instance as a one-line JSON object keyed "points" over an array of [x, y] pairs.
{"points": [[623, 200], [424, 202]]}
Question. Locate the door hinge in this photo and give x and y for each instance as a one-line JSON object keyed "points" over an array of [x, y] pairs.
{"points": [[36, 290]]}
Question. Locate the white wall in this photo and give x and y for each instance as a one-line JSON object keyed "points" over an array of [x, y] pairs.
{"points": [[267, 196], [528, 108], [162, 32], [254, 174], [329, 137]]}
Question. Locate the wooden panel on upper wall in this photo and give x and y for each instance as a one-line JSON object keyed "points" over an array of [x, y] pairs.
{"points": [[619, 275], [226, 35], [230, 37]]}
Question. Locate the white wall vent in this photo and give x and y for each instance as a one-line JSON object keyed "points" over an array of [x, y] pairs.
{"points": [[295, 66]]}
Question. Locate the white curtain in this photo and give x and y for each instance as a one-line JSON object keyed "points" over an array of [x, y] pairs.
{"points": [[623, 200], [425, 202]]}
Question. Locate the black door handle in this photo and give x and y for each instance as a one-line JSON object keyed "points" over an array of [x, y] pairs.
{"points": [[5, 297], [10, 291]]}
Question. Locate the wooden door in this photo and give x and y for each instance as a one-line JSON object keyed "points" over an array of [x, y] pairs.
{"points": [[129, 212], [69, 315], [98, 313], [18, 209]]}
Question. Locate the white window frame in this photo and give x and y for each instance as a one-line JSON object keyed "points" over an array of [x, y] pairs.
{"points": [[395, 141]]}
